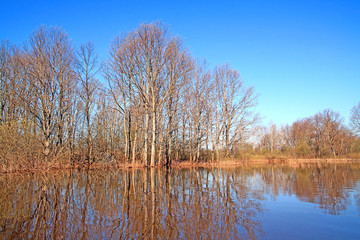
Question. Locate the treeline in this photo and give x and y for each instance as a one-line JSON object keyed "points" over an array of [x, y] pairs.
{"points": [[150, 102], [321, 135]]}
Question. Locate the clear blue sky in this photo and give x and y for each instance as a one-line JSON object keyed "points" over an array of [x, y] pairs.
{"points": [[300, 56]]}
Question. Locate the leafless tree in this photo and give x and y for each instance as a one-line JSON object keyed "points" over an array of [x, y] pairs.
{"points": [[236, 104], [355, 119], [332, 123], [153, 41], [199, 107], [15, 121], [121, 75], [178, 72], [147, 65], [49, 60], [87, 67]]}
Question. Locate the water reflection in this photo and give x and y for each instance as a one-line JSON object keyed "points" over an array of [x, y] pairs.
{"points": [[160, 203], [327, 185]]}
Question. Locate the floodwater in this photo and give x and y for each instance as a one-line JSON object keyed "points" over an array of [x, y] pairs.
{"points": [[253, 202]]}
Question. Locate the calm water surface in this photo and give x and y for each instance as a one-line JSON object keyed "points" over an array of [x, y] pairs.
{"points": [[254, 202]]}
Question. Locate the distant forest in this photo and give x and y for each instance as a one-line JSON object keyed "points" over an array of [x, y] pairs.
{"points": [[150, 102]]}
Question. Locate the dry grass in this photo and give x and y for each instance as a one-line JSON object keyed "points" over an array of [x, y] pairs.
{"points": [[226, 163], [240, 162]]}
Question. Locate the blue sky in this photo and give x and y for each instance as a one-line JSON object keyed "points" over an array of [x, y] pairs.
{"points": [[300, 56]]}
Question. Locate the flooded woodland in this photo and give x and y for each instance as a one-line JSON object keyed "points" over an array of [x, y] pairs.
{"points": [[251, 202], [137, 115]]}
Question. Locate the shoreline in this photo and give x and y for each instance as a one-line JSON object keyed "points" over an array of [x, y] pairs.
{"points": [[231, 163], [275, 161]]}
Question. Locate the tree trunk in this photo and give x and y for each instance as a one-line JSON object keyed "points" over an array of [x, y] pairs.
{"points": [[146, 139], [129, 138], [153, 139], [134, 144], [126, 139]]}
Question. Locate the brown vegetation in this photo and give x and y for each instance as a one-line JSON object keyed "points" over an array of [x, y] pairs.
{"points": [[321, 136]]}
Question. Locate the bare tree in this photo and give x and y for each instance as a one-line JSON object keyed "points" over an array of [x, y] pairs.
{"points": [[87, 67], [178, 70], [15, 121], [332, 123], [355, 119], [147, 65], [153, 41], [5, 56], [199, 101], [121, 76], [11, 72], [236, 104], [49, 66]]}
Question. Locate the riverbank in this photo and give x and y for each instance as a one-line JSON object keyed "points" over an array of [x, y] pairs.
{"points": [[228, 163], [238, 163]]}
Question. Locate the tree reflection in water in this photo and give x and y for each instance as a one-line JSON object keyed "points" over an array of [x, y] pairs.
{"points": [[327, 185], [160, 203]]}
